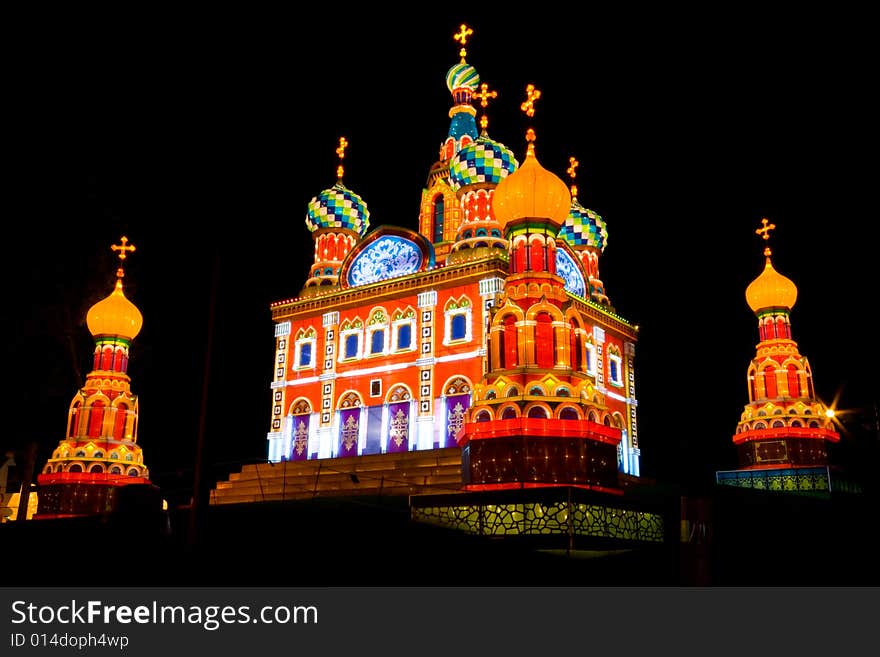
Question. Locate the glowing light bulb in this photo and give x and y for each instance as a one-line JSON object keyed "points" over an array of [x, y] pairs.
{"points": [[829, 413]]}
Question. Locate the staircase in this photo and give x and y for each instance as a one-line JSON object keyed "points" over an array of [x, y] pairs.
{"points": [[406, 473]]}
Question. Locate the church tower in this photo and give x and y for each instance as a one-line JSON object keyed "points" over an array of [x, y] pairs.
{"points": [[99, 451], [537, 414], [784, 433]]}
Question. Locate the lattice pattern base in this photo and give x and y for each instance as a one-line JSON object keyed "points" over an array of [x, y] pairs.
{"points": [[536, 518]]}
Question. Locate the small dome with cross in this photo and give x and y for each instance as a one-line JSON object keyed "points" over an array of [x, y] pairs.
{"points": [[116, 315], [584, 228], [338, 207]]}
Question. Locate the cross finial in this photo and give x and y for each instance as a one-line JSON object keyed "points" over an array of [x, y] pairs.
{"points": [[483, 96], [572, 172], [343, 144], [764, 232], [462, 36], [532, 95], [122, 248]]}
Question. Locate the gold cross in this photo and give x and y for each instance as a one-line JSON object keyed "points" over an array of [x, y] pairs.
{"points": [[463, 37], [485, 95], [122, 248], [572, 172], [343, 144], [532, 95], [764, 231]]}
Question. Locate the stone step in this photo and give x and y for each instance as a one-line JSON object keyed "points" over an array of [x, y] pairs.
{"points": [[330, 470], [450, 481], [277, 497], [445, 456], [326, 474], [364, 464]]}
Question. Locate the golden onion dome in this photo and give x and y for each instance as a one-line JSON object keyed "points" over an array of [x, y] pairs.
{"points": [[115, 315], [771, 290], [531, 191]]}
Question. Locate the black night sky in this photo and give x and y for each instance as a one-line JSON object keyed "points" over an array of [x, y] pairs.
{"points": [[204, 142]]}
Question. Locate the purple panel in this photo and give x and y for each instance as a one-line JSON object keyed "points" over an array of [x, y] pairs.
{"points": [[299, 448], [349, 431], [456, 406], [398, 427]]}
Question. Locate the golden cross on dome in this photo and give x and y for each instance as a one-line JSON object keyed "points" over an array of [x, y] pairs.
{"points": [[462, 36], [122, 248], [483, 96], [343, 144], [532, 95], [764, 232], [572, 172]]}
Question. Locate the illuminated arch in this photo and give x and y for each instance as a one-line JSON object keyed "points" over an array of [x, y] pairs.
{"points": [[398, 393], [538, 410], [300, 406], [457, 385], [569, 412], [349, 399]]}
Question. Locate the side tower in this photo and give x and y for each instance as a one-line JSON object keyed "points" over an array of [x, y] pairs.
{"points": [[537, 414], [441, 213], [99, 452], [784, 432]]}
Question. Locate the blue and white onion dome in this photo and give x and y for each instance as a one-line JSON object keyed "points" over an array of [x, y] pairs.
{"points": [[483, 161], [338, 207], [462, 76], [583, 227]]}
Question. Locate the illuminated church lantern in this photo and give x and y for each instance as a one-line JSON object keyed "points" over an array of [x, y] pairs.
{"points": [[390, 347], [99, 452], [784, 433]]}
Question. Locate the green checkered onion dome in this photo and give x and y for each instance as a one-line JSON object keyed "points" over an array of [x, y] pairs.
{"points": [[462, 75], [583, 227], [484, 161], [338, 207]]}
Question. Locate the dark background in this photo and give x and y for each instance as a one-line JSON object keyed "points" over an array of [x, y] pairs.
{"points": [[202, 138]]}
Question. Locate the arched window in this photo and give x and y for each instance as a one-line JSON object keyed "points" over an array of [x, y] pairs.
{"points": [[510, 342], [538, 412], [116, 470], [377, 341], [770, 382], [574, 346], [545, 350], [119, 422], [537, 262], [96, 468], [483, 416], [491, 394], [132, 472], [96, 419], [404, 336], [536, 391], [796, 423], [562, 392], [437, 216], [76, 467], [458, 328], [508, 413], [793, 384], [568, 413]]}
